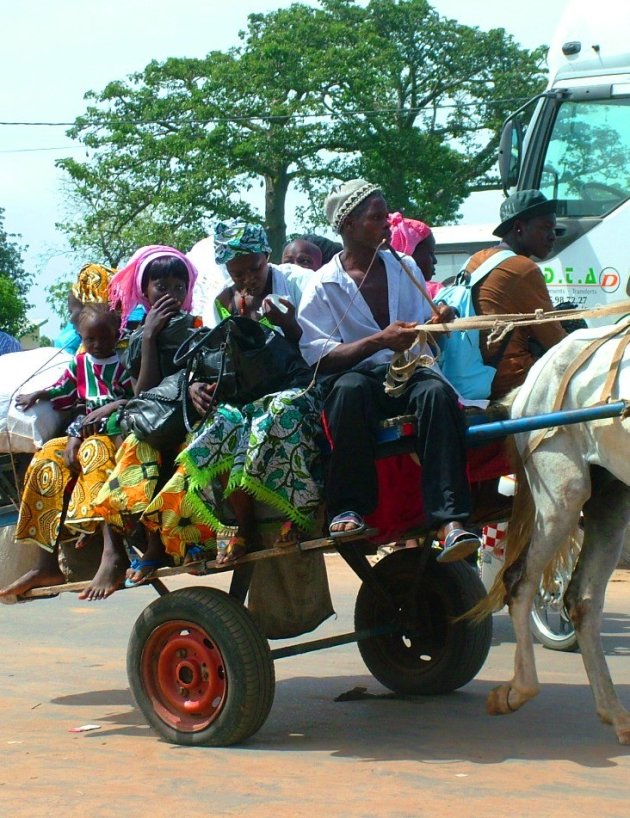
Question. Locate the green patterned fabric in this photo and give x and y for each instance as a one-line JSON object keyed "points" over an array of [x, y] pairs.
{"points": [[266, 448], [224, 313], [238, 238]]}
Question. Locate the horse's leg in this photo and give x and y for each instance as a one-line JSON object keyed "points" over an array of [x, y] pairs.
{"points": [[606, 516], [560, 486]]}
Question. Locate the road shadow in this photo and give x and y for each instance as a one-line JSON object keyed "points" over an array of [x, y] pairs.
{"points": [[560, 724]]}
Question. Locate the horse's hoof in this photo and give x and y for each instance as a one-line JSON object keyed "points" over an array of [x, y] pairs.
{"points": [[623, 732], [498, 702]]}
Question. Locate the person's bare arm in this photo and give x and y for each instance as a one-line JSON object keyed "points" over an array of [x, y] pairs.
{"points": [[398, 336]]}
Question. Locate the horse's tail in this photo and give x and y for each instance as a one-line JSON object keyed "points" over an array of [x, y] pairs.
{"points": [[519, 533]]}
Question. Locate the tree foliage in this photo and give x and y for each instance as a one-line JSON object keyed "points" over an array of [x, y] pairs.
{"points": [[14, 283], [391, 91], [57, 298]]}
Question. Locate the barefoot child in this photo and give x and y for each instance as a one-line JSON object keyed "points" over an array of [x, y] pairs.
{"points": [[161, 279], [65, 476]]}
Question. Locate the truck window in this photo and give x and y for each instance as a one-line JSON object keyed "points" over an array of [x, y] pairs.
{"points": [[587, 164]]}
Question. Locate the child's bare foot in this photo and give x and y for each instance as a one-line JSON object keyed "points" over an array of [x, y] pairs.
{"points": [[38, 577], [234, 549], [82, 541], [109, 578]]}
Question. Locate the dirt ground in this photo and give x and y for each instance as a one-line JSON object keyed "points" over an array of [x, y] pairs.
{"points": [[63, 665]]}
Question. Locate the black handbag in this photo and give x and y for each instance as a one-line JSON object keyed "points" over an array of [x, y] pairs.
{"points": [[156, 416], [169, 340], [245, 360]]}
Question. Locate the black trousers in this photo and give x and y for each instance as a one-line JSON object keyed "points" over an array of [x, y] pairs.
{"points": [[353, 409]]}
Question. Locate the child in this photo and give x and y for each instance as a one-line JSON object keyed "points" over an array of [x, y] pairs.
{"points": [[97, 384], [161, 279]]}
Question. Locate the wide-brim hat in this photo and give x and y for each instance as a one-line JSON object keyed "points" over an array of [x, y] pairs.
{"points": [[526, 204]]}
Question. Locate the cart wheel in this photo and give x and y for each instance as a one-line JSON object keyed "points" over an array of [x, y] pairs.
{"points": [[431, 654], [200, 669]]}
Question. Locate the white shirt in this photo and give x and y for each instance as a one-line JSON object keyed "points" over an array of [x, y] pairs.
{"points": [[333, 311], [301, 275], [280, 285], [211, 279]]}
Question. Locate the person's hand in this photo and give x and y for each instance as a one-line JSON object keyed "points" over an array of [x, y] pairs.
{"points": [[399, 335], [201, 395], [283, 318], [25, 401], [93, 419], [71, 454], [160, 314], [445, 316]]}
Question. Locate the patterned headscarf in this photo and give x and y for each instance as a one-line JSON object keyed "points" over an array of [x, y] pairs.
{"points": [[406, 234], [91, 286], [238, 238], [125, 289], [340, 203]]}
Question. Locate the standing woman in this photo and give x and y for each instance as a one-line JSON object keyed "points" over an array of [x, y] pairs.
{"points": [[264, 450]]}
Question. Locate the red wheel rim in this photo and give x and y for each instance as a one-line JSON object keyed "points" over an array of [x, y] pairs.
{"points": [[183, 674]]}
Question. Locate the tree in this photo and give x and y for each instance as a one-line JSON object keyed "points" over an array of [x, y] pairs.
{"points": [[14, 284], [57, 298], [391, 91], [437, 92]]}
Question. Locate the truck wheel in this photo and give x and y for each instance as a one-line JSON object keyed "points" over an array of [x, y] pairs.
{"points": [[432, 654], [200, 669]]}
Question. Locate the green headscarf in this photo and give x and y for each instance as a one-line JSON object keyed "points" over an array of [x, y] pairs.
{"points": [[238, 238]]}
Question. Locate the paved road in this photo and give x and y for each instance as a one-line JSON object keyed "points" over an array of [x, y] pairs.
{"points": [[63, 665]]}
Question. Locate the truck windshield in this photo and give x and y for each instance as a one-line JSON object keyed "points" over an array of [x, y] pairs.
{"points": [[587, 164]]}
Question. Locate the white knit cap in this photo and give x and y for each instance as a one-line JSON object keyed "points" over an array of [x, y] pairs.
{"points": [[340, 203]]}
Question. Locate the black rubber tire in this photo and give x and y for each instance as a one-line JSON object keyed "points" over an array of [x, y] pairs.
{"points": [[441, 655], [238, 656]]}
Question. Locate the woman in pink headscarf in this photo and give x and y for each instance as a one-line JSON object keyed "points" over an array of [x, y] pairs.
{"points": [[415, 239], [161, 279]]}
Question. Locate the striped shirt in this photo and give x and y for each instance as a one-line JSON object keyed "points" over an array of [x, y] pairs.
{"points": [[91, 381]]}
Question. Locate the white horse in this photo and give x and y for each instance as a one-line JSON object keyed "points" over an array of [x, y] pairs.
{"points": [[565, 471]]}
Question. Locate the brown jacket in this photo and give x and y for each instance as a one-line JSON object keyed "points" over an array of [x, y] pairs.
{"points": [[514, 286]]}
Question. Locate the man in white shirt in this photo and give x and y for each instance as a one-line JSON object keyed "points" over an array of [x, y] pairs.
{"points": [[359, 311]]}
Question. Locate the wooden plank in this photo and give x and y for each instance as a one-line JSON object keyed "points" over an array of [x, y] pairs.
{"points": [[208, 567]]}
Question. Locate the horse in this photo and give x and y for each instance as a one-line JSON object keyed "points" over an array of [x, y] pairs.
{"points": [[565, 474]]}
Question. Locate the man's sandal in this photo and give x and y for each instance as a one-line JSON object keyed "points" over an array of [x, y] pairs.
{"points": [[356, 520], [458, 544]]}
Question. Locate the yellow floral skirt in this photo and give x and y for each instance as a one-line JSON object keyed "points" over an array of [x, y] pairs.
{"points": [[131, 485], [48, 483]]}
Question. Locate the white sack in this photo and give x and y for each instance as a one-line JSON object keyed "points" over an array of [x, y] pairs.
{"points": [[29, 371]]}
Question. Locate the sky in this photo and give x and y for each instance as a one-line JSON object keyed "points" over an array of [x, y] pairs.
{"points": [[52, 53]]}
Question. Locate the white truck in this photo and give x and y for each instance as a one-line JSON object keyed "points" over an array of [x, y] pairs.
{"points": [[573, 142]]}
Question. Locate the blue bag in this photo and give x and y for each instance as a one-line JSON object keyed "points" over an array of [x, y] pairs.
{"points": [[461, 360]]}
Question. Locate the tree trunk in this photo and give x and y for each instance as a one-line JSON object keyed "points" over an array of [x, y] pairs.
{"points": [[275, 197]]}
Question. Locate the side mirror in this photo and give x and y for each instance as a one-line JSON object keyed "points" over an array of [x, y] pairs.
{"points": [[510, 149]]}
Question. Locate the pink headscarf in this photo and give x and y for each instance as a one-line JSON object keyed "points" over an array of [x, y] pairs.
{"points": [[125, 288], [406, 234]]}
